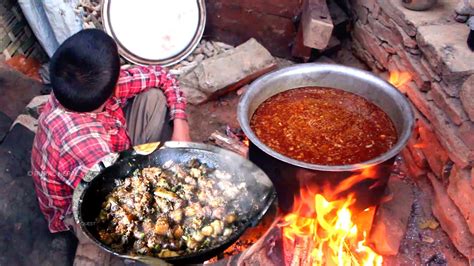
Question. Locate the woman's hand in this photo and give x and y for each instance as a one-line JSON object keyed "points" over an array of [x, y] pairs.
{"points": [[180, 130]]}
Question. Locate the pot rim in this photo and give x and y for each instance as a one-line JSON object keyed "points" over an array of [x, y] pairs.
{"points": [[308, 68]]}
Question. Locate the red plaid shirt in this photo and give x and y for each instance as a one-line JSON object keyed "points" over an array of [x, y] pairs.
{"points": [[68, 144]]}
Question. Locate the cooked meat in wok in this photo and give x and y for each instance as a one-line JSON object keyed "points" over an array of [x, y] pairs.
{"points": [[171, 210]]}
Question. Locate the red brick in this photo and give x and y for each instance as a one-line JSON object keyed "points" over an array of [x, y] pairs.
{"points": [[451, 106], [391, 219], [467, 96], [385, 33], [389, 48], [361, 13], [462, 194], [466, 133], [448, 135], [414, 146], [426, 65], [407, 40], [413, 170], [413, 65], [419, 99], [364, 35], [435, 154], [472, 177], [451, 220]]}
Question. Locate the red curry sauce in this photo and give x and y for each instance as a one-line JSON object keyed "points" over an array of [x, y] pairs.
{"points": [[323, 126]]}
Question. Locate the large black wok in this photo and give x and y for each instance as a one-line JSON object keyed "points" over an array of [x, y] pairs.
{"points": [[90, 195]]}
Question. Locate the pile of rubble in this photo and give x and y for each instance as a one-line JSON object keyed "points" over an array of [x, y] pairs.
{"points": [[205, 50], [225, 72], [90, 13]]}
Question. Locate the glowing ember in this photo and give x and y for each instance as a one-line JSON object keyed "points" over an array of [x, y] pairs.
{"points": [[398, 79], [330, 238]]}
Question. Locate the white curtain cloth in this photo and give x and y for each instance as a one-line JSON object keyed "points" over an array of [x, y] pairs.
{"points": [[52, 21]]}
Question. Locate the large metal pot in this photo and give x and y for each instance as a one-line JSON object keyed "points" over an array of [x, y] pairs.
{"points": [[289, 175]]}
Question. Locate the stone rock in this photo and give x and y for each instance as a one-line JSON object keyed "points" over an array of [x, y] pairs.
{"points": [[435, 154], [429, 70], [334, 45], [412, 63], [33, 108], [361, 12], [189, 85], [392, 10], [448, 134], [369, 4], [410, 20], [407, 40], [451, 106], [389, 48], [445, 46], [391, 219], [368, 41], [27, 121], [462, 194], [385, 33], [451, 220], [227, 71], [466, 132], [467, 96]]}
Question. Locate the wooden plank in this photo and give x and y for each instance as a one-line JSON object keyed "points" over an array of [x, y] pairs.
{"points": [[317, 24], [222, 140], [299, 50]]}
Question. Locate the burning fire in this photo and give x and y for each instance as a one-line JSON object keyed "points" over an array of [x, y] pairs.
{"points": [[398, 79], [332, 236]]}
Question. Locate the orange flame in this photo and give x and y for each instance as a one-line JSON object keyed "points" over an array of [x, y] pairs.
{"points": [[398, 79], [419, 145], [331, 237]]}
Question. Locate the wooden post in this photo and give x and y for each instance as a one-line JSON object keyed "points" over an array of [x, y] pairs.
{"points": [[316, 24]]}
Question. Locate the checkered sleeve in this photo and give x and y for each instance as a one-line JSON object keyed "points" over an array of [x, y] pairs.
{"points": [[79, 154], [140, 78]]}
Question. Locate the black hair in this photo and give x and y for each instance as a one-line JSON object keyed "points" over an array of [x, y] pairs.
{"points": [[84, 70]]}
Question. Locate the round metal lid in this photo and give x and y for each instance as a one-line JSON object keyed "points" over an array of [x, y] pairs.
{"points": [[151, 32]]}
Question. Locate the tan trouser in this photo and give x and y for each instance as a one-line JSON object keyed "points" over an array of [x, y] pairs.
{"points": [[146, 122], [147, 119]]}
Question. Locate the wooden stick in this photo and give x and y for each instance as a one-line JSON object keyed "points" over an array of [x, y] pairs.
{"points": [[222, 140]]}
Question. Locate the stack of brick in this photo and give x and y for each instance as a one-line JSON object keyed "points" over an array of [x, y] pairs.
{"points": [[431, 46]]}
